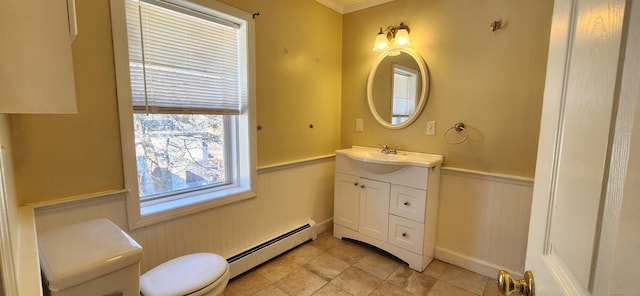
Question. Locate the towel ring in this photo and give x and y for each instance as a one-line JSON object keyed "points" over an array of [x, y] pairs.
{"points": [[458, 127]]}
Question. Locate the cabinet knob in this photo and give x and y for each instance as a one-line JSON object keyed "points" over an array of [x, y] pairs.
{"points": [[362, 186], [406, 203], [355, 184], [404, 234]]}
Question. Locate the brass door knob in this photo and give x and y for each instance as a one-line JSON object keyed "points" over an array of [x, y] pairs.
{"points": [[507, 285]]}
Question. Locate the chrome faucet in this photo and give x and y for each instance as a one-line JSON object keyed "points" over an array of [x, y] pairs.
{"points": [[387, 150]]}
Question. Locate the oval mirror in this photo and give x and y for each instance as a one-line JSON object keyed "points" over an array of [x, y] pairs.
{"points": [[397, 87]]}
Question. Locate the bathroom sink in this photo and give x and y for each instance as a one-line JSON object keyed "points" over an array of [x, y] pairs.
{"points": [[373, 160]]}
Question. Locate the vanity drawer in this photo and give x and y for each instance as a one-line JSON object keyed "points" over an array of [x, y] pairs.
{"points": [[406, 234], [408, 202]]}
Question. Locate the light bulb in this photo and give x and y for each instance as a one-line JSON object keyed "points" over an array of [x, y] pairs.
{"points": [[381, 42], [402, 38]]}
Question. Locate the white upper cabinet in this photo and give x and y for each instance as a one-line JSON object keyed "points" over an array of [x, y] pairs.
{"points": [[36, 66]]}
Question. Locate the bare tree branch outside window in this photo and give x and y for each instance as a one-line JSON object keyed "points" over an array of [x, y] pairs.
{"points": [[177, 152]]}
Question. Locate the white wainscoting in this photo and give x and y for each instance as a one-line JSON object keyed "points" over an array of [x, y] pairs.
{"points": [[483, 218], [483, 221], [288, 195]]}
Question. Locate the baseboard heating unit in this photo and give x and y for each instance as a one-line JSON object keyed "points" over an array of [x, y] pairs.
{"points": [[259, 254]]}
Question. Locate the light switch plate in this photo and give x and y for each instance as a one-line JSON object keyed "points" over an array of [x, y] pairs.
{"points": [[431, 128], [359, 125]]}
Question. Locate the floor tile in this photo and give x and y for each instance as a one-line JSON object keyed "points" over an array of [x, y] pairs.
{"points": [[492, 288], [412, 281], [331, 290], [247, 284], [349, 252], [304, 253], [464, 279], [390, 290], [327, 266], [277, 268], [378, 264], [271, 291], [300, 282], [357, 281], [441, 288], [326, 241], [435, 268]]}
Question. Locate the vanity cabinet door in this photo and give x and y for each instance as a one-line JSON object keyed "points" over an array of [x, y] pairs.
{"points": [[346, 205], [374, 208]]}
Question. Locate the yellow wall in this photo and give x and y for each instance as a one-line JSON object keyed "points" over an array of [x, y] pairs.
{"points": [[59, 156], [299, 60], [312, 65], [491, 81]]}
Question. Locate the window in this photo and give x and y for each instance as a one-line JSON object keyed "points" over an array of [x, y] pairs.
{"points": [[185, 99], [179, 152], [405, 93]]}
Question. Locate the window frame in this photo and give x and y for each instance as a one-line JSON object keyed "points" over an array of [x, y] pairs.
{"points": [[241, 144]]}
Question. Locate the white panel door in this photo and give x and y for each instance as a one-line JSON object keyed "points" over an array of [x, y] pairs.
{"points": [[581, 157]]}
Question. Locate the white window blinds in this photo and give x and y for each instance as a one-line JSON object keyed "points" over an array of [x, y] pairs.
{"points": [[181, 60]]}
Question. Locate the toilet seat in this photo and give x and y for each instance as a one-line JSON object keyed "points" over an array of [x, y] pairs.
{"points": [[193, 274]]}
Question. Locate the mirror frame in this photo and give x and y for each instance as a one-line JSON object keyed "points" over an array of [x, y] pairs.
{"points": [[424, 92]]}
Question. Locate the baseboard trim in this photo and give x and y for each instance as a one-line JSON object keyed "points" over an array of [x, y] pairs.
{"points": [[254, 256], [476, 265], [324, 225]]}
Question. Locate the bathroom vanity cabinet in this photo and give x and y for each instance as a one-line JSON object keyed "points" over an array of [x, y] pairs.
{"points": [[392, 208]]}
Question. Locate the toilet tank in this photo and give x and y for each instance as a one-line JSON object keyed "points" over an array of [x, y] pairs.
{"points": [[90, 258]]}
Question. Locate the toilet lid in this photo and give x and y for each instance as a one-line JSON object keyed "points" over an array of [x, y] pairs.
{"points": [[183, 275], [74, 254]]}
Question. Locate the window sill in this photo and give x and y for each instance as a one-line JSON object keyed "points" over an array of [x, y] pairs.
{"points": [[160, 212]]}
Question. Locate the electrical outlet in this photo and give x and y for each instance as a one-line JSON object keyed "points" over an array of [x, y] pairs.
{"points": [[431, 128], [359, 125]]}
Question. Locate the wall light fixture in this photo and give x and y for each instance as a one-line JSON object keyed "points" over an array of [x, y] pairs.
{"points": [[395, 37]]}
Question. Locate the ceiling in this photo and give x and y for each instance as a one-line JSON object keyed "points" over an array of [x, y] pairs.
{"points": [[347, 6]]}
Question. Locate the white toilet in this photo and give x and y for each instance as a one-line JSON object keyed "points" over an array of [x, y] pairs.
{"points": [[193, 275], [98, 258]]}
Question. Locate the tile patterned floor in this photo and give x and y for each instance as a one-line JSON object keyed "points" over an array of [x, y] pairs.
{"points": [[332, 267]]}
